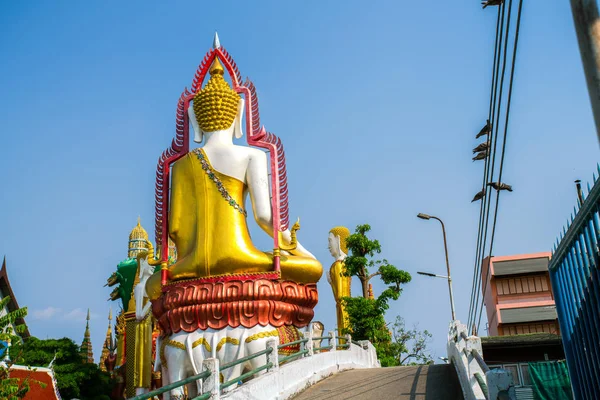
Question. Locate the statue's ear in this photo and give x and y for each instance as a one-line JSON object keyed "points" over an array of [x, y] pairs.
{"points": [[239, 118], [198, 134], [338, 241]]}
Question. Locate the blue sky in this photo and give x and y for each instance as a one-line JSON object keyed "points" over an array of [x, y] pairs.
{"points": [[377, 104]]}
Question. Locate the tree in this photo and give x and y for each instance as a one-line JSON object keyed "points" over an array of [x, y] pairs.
{"points": [[75, 379], [12, 388], [357, 264], [365, 314], [410, 345]]}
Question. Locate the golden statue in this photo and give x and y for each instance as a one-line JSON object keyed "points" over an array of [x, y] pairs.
{"points": [[209, 185], [223, 297], [340, 284]]}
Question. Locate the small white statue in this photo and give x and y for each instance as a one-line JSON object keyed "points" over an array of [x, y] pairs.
{"points": [[142, 305]]}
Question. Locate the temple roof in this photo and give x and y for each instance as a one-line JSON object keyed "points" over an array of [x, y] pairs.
{"points": [[6, 290], [44, 375]]}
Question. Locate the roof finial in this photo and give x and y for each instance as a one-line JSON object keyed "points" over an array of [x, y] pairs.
{"points": [[216, 43], [88, 315], [139, 220], [110, 314]]}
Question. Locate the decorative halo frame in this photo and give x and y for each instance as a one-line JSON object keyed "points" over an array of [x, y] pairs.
{"points": [[256, 136]]}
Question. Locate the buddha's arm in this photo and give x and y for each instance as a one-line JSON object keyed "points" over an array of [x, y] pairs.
{"points": [[183, 206], [257, 177]]}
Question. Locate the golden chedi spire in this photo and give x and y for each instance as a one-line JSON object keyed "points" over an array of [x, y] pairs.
{"points": [[85, 351], [107, 342], [138, 239], [216, 105], [371, 296]]}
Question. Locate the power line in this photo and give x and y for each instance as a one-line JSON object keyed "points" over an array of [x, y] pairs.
{"points": [[481, 208], [495, 119], [489, 172], [510, 87]]}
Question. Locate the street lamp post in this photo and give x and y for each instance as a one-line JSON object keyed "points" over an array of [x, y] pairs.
{"points": [[449, 278]]}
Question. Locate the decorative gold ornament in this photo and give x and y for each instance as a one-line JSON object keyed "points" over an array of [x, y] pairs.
{"points": [[293, 239], [227, 340], [261, 335], [137, 240], [216, 105], [200, 342]]}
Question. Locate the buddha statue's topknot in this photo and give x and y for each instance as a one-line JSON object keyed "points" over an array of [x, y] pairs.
{"points": [[216, 105]]}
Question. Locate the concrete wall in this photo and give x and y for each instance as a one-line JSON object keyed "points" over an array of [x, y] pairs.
{"points": [[291, 378]]}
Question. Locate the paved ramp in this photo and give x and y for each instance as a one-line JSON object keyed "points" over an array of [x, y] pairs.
{"points": [[433, 382]]}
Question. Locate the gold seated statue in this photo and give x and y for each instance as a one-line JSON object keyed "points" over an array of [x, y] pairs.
{"points": [[207, 218]]}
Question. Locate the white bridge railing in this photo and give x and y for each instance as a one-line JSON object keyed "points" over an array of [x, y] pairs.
{"points": [[282, 376], [318, 363], [477, 381]]}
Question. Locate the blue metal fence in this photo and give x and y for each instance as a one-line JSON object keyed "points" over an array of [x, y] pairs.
{"points": [[574, 272]]}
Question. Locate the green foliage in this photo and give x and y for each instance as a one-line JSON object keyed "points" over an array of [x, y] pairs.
{"points": [[12, 388], [75, 379], [8, 321], [365, 315], [409, 346], [359, 263]]}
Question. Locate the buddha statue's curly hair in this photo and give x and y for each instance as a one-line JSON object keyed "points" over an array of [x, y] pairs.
{"points": [[216, 105], [342, 232]]}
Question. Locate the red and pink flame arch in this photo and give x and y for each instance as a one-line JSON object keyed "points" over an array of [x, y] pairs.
{"points": [[256, 136]]}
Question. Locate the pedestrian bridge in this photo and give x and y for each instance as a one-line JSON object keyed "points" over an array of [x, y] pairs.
{"points": [[345, 369], [424, 382]]}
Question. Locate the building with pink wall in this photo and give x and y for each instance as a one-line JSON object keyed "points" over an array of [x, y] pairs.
{"points": [[518, 295]]}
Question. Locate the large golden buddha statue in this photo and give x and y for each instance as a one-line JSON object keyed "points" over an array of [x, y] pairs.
{"points": [[223, 298], [207, 220], [340, 284]]}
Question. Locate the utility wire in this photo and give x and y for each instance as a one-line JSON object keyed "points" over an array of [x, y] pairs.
{"points": [[496, 105], [492, 156], [492, 90], [488, 198], [510, 87]]}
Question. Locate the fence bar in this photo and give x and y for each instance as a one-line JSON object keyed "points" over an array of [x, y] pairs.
{"points": [[171, 386], [482, 384], [292, 356], [246, 375], [244, 359], [204, 396], [292, 343], [480, 361], [574, 272]]}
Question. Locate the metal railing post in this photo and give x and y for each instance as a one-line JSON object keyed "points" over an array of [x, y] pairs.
{"points": [[309, 344], [332, 341], [212, 383], [273, 356]]}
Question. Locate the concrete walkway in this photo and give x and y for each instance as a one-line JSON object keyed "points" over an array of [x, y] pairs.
{"points": [[433, 382]]}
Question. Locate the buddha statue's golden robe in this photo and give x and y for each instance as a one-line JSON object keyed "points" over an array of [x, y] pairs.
{"points": [[207, 223], [341, 288]]}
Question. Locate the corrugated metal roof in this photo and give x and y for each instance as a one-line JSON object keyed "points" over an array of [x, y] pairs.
{"points": [[524, 266], [528, 314]]}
